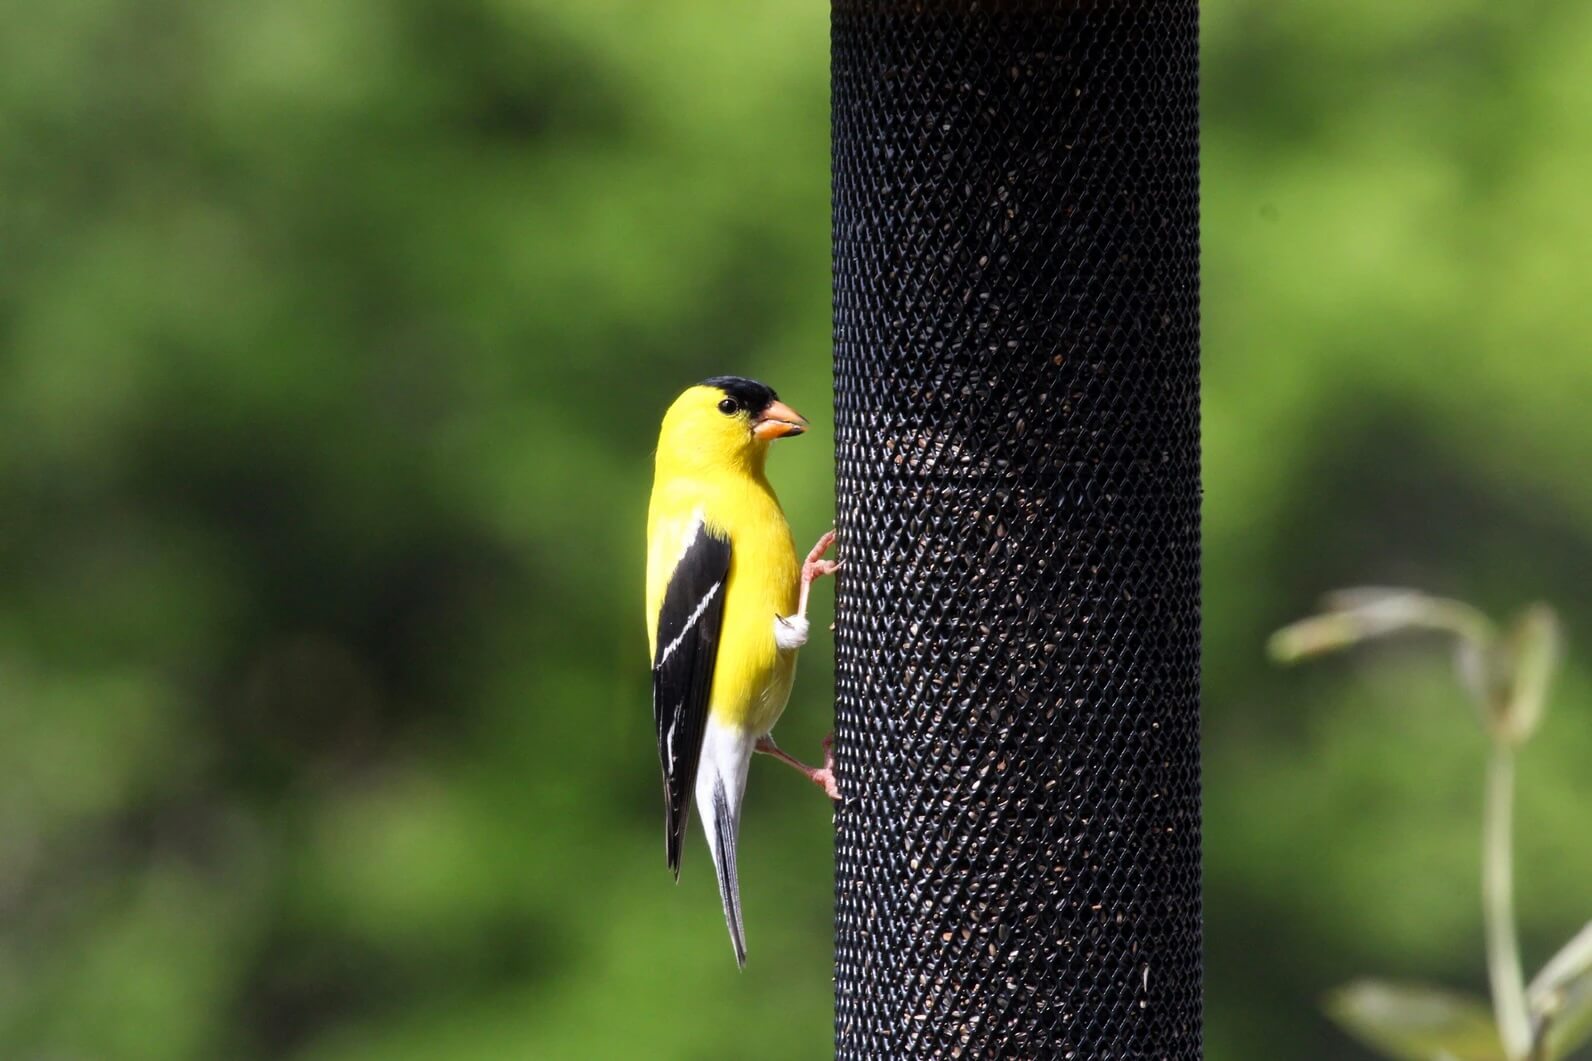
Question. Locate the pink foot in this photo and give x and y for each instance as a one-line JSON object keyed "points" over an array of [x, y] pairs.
{"points": [[823, 777], [816, 567]]}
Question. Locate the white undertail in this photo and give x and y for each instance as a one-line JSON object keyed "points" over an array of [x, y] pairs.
{"points": [[720, 785]]}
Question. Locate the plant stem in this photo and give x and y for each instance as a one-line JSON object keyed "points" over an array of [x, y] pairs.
{"points": [[1497, 896]]}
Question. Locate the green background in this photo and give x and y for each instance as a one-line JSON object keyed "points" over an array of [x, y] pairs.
{"points": [[333, 339]]}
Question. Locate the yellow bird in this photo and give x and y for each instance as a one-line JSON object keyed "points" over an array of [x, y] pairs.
{"points": [[727, 610]]}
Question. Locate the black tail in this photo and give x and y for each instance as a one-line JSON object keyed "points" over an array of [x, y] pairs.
{"points": [[724, 827]]}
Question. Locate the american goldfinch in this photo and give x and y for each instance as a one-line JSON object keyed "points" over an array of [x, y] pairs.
{"points": [[727, 610]]}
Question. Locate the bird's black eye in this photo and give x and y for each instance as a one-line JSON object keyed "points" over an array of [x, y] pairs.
{"points": [[729, 407]]}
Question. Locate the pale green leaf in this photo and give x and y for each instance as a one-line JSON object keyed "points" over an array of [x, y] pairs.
{"points": [[1364, 613], [1532, 651], [1416, 1022]]}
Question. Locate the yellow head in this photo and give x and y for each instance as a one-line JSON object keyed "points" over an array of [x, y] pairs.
{"points": [[723, 423]]}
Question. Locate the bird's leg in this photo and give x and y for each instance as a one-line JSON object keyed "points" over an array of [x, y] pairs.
{"points": [[823, 777], [790, 632]]}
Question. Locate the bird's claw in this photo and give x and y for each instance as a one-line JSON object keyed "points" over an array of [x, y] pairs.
{"points": [[814, 571], [825, 777], [815, 566]]}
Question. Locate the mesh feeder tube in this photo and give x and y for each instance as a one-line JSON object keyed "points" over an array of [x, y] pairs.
{"points": [[1016, 270]]}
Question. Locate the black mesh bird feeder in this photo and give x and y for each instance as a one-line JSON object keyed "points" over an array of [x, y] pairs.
{"points": [[1016, 256]]}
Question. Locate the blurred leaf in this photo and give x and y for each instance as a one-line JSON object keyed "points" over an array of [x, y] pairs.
{"points": [[1352, 598], [1363, 613], [1561, 994], [1532, 651], [1506, 676], [1416, 1022], [1509, 675]]}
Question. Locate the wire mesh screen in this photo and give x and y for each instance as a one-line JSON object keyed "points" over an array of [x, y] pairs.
{"points": [[1016, 360]]}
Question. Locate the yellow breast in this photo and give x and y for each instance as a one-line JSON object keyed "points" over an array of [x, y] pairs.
{"points": [[752, 677]]}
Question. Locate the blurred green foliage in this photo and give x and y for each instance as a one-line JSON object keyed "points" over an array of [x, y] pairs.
{"points": [[1506, 672], [333, 338]]}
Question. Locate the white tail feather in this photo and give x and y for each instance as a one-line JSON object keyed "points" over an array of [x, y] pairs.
{"points": [[720, 785]]}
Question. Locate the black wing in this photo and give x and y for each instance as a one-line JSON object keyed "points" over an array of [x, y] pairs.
{"points": [[682, 672]]}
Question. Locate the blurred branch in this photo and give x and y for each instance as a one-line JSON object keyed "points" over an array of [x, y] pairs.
{"points": [[1504, 974], [1560, 998], [1507, 675]]}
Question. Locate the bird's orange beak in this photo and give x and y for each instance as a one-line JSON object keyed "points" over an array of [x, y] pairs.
{"points": [[777, 421]]}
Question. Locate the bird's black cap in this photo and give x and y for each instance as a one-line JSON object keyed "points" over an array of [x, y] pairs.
{"points": [[753, 395]]}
